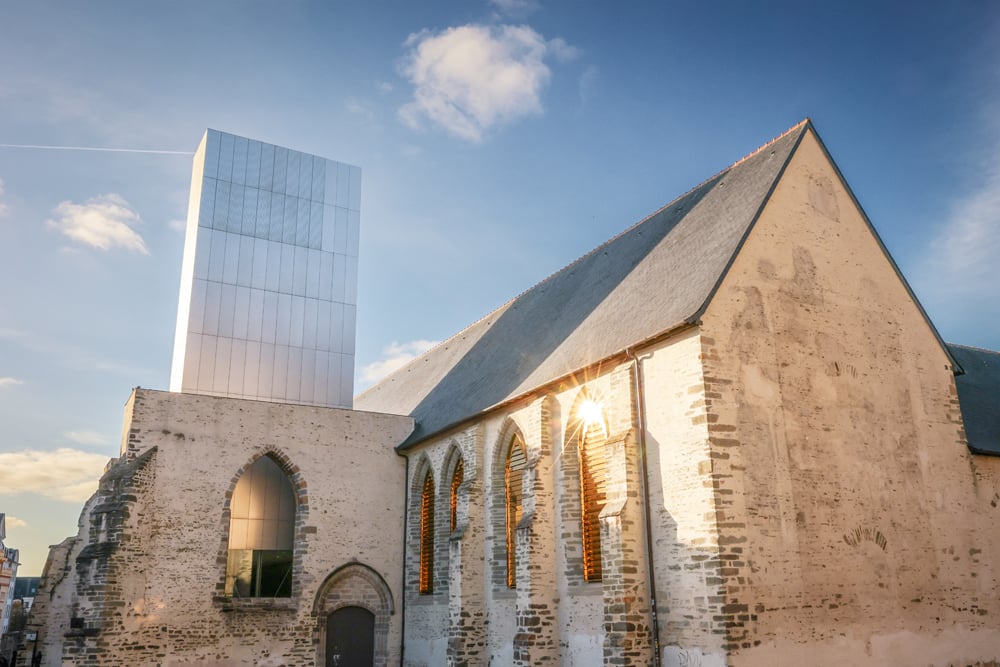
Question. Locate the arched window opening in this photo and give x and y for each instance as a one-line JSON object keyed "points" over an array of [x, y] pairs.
{"points": [[427, 536], [457, 477], [261, 533], [513, 474], [593, 491]]}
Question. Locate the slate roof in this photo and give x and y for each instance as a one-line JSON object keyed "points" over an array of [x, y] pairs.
{"points": [[979, 397], [594, 308]]}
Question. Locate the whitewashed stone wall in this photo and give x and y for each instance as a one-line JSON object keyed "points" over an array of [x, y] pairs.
{"points": [[553, 616]]}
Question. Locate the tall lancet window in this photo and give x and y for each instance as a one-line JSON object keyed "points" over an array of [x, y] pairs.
{"points": [[457, 476], [593, 485], [513, 474], [427, 535], [261, 533]]}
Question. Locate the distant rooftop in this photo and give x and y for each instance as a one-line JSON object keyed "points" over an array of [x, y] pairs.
{"points": [[979, 397]]}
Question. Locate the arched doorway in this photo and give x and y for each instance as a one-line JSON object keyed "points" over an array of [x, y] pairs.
{"points": [[350, 638], [353, 610]]}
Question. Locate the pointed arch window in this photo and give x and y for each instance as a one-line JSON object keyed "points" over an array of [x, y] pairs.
{"points": [[261, 533], [513, 502], [426, 583], [593, 492], [457, 477]]}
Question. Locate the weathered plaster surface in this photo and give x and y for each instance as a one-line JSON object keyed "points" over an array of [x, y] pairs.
{"points": [[852, 521]]}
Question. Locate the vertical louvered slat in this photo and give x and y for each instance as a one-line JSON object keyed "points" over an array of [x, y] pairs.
{"points": [[456, 481], [516, 459], [593, 489], [427, 536]]}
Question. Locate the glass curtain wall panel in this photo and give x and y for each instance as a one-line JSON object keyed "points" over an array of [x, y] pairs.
{"points": [[268, 292]]}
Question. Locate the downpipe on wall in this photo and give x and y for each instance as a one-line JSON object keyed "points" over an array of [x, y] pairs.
{"points": [[640, 411]]}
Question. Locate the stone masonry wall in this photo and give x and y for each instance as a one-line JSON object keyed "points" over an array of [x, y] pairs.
{"points": [[52, 608], [553, 615], [854, 525], [165, 603], [684, 523]]}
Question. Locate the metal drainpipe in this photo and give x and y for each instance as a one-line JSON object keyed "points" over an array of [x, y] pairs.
{"points": [[402, 592], [640, 409]]}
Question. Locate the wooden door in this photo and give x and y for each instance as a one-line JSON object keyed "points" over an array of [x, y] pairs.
{"points": [[350, 638]]}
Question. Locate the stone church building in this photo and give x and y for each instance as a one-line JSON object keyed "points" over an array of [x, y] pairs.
{"points": [[729, 436]]}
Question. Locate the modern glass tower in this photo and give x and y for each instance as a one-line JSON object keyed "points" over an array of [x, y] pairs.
{"points": [[268, 293]]}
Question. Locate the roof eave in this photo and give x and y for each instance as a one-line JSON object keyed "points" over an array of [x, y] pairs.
{"points": [[618, 356]]}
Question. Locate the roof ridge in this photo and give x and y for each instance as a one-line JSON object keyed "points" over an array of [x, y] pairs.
{"points": [[804, 121], [594, 251]]}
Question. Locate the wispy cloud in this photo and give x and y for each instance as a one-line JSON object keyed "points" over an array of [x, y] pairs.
{"points": [[394, 357], [87, 437], [360, 108], [958, 273], [14, 522], [969, 244], [177, 224], [64, 474], [66, 102], [470, 78], [563, 51], [516, 8], [103, 222], [3, 205], [9, 382], [70, 354]]}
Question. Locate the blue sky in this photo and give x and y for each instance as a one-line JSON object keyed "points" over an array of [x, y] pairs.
{"points": [[499, 141]]}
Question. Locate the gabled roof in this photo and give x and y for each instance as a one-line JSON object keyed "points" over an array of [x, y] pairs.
{"points": [[596, 307], [979, 397]]}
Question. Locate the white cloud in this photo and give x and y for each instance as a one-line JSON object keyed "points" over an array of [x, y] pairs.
{"points": [[14, 522], [177, 225], [87, 437], [394, 357], [956, 276], [516, 7], [470, 78], [970, 242], [64, 474], [385, 86], [102, 222], [563, 51], [9, 382], [962, 258]]}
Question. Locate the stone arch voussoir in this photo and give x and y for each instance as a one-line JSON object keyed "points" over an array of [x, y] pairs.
{"points": [[355, 585], [298, 482]]}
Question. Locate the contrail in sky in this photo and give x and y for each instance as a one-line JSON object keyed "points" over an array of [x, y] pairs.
{"points": [[98, 149]]}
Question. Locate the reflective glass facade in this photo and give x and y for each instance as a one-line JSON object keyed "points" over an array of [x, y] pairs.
{"points": [[268, 293]]}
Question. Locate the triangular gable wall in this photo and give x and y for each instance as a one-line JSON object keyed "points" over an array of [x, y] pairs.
{"points": [[831, 431], [810, 131]]}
